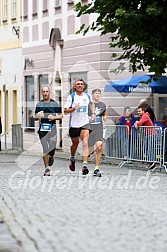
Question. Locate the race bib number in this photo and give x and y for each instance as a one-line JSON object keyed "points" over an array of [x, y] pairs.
{"points": [[81, 109], [45, 127], [97, 120]]}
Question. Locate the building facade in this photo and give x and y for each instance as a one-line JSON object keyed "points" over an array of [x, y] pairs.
{"points": [[40, 47], [10, 66], [53, 53]]}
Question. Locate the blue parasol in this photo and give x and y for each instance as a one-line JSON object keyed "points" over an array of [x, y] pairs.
{"points": [[138, 84]]}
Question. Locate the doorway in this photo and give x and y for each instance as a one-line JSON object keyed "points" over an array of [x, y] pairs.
{"points": [[162, 108]]}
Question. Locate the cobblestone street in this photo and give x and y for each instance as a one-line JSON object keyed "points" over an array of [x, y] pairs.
{"points": [[123, 211]]}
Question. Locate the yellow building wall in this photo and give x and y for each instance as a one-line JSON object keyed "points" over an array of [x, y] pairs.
{"points": [[14, 106], [10, 39]]}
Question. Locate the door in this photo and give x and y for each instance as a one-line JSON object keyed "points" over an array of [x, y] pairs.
{"points": [[162, 108]]}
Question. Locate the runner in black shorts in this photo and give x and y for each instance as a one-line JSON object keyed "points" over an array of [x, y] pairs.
{"points": [[77, 106], [96, 127], [75, 132]]}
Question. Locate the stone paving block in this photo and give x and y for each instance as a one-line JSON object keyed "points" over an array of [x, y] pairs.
{"points": [[87, 214]]}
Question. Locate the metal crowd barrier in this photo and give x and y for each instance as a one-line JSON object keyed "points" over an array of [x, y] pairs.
{"points": [[165, 149], [144, 144], [117, 143], [17, 136]]}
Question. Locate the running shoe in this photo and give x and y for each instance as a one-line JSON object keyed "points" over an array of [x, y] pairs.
{"points": [[72, 165], [85, 170], [47, 172], [97, 173], [51, 160]]}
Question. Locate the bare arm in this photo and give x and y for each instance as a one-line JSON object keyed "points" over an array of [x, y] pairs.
{"points": [[38, 116], [70, 110], [57, 117], [92, 106]]}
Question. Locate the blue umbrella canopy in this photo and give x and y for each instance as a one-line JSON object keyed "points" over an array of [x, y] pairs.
{"points": [[139, 84]]}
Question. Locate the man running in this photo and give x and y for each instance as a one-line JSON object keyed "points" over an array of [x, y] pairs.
{"points": [[77, 106], [96, 126], [47, 112]]}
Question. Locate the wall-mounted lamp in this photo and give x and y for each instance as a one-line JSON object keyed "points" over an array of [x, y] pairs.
{"points": [[16, 30], [60, 42], [57, 77]]}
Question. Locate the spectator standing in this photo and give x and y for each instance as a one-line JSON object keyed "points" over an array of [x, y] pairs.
{"points": [[128, 120], [145, 120], [147, 108]]}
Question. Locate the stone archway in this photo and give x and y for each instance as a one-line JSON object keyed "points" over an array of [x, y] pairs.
{"points": [[56, 42], [55, 37]]}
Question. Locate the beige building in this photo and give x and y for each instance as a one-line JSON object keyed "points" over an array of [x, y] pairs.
{"points": [[52, 53], [10, 67]]}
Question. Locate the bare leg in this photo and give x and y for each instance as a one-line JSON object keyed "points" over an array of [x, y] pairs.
{"points": [[84, 137], [99, 148], [46, 160], [74, 146]]}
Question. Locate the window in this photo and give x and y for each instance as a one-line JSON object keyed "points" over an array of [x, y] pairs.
{"points": [[43, 81], [34, 7], [14, 7], [162, 108], [84, 1], [85, 20], [29, 101], [70, 1], [5, 10], [57, 4], [71, 25], [45, 5], [25, 8]]}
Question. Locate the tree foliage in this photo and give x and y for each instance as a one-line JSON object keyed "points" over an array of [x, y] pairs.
{"points": [[139, 28]]}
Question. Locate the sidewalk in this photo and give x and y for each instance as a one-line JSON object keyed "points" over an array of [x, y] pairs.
{"points": [[66, 155], [58, 154]]}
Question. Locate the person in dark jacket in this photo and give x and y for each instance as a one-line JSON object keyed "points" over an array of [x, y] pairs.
{"points": [[127, 118], [147, 108]]}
